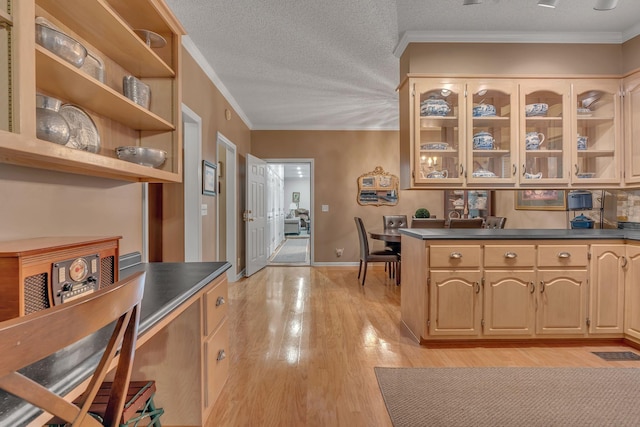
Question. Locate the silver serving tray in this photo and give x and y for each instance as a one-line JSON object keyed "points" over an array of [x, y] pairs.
{"points": [[83, 131]]}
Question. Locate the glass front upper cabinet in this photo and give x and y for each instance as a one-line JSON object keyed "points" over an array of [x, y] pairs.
{"points": [[438, 132], [596, 142], [544, 139], [491, 132]]}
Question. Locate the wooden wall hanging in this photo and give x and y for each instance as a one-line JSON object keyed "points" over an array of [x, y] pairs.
{"points": [[378, 188]]}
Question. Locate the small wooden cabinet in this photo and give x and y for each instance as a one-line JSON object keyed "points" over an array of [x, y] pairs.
{"points": [[106, 29], [606, 303], [632, 291], [455, 307]]}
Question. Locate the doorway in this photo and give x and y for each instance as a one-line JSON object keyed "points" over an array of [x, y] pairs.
{"points": [[226, 242], [192, 128], [296, 204]]}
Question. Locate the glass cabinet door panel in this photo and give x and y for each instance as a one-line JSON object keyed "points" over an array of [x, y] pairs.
{"points": [[438, 111], [543, 142], [596, 143], [492, 129]]}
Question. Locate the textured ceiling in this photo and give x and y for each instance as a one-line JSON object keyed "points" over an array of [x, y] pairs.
{"points": [[333, 64]]}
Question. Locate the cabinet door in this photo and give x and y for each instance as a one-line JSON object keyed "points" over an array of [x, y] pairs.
{"points": [[545, 158], [562, 302], [509, 302], [491, 138], [632, 292], [455, 306], [606, 303], [632, 128], [596, 107], [438, 107]]}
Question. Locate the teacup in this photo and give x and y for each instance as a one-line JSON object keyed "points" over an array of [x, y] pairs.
{"points": [[482, 110], [582, 142], [438, 174], [483, 141], [533, 140]]}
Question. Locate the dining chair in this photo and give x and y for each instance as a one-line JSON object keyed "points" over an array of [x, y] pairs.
{"points": [[495, 221], [367, 256], [394, 222], [466, 222], [428, 223], [28, 339]]}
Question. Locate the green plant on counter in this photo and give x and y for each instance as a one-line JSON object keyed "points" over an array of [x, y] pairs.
{"points": [[422, 213]]}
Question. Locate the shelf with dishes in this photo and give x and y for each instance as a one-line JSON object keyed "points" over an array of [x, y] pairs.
{"points": [[101, 26], [438, 122]]}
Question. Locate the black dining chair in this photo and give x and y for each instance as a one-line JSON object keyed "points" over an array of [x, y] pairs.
{"points": [[495, 221], [466, 222], [367, 256]]}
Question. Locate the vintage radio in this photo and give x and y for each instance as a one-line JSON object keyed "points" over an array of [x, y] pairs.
{"points": [[39, 273]]}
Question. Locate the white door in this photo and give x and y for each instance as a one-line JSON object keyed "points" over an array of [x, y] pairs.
{"points": [[255, 215]]}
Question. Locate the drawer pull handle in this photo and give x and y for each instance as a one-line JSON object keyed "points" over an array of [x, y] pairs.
{"points": [[455, 255], [510, 255], [532, 284], [564, 255], [220, 301], [221, 355]]}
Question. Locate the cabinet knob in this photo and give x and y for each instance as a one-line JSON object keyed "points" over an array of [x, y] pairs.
{"points": [[220, 301], [221, 355], [624, 262], [477, 285], [510, 255], [564, 255], [532, 285], [541, 286], [455, 255]]}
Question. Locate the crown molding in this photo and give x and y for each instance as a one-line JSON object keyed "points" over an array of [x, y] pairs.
{"points": [[193, 50], [507, 37]]}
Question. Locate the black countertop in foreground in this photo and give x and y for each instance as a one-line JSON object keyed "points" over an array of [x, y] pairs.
{"points": [[167, 286], [519, 234]]}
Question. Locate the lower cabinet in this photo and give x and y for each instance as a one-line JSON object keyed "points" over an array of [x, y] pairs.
{"points": [[632, 292], [562, 302], [607, 278], [187, 356], [456, 303]]}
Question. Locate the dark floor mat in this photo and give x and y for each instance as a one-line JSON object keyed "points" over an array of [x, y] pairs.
{"points": [[617, 355]]}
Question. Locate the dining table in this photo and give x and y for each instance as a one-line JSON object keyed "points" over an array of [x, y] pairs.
{"points": [[390, 235]]}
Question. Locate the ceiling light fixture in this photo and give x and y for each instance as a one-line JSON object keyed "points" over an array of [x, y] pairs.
{"points": [[469, 2], [605, 4], [548, 3]]}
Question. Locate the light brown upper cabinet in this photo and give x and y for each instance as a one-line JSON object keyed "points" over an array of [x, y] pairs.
{"points": [[632, 129], [108, 29]]}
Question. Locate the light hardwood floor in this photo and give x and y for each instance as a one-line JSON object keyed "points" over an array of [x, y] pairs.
{"points": [[305, 340]]}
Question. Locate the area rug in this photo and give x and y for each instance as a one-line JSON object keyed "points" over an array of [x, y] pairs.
{"points": [[479, 397], [292, 251]]}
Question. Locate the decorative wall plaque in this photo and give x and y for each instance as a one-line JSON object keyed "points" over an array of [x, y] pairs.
{"points": [[378, 188]]}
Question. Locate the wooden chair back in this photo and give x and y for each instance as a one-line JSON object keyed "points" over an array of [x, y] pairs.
{"points": [[27, 339], [428, 223], [466, 222]]}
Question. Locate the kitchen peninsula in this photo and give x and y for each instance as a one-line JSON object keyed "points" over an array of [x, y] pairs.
{"points": [[181, 345], [521, 285]]}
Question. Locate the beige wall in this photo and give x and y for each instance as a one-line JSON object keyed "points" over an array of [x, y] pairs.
{"points": [[512, 59], [631, 55], [201, 96], [340, 158], [38, 203]]}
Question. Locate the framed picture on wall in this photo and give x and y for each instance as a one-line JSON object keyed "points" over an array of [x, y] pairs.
{"points": [[295, 198], [209, 177], [541, 200]]}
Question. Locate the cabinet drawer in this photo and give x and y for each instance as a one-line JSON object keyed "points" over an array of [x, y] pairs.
{"points": [[458, 256], [509, 256], [215, 306], [562, 255], [216, 356]]}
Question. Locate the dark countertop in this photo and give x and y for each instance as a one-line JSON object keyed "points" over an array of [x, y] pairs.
{"points": [[519, 234], [167, 286]]}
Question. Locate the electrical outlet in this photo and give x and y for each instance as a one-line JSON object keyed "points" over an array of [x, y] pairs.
{"points": [[339, 252]]}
